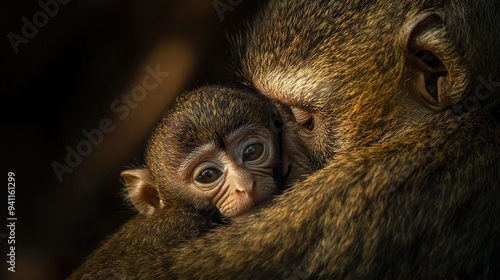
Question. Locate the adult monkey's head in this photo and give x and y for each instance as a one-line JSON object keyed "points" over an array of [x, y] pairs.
{"points": [[419, 65]]}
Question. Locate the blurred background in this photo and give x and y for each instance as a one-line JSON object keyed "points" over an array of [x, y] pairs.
{"points": [[83, 84]]}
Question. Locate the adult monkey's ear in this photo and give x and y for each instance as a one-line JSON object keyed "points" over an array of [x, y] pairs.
{"points": [[427, 47], [142, 190]]}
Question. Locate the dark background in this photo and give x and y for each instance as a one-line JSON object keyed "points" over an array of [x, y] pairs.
{"points": [[63, 81]]}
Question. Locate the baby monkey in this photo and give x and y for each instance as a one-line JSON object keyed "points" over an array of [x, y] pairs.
{"points": [[216, 150]]}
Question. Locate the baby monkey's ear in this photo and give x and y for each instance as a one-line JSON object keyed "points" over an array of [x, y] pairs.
{"points": [[142, 190]]}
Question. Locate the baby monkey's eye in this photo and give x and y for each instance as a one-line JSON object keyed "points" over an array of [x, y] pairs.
{"points": [[253, 152], [209, 176]]}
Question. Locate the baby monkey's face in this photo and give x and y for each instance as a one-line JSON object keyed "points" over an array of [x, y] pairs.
{"points": [[235, 173], [217, 149]]}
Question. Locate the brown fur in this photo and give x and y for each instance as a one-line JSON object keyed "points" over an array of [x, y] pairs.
{"points": [[125, 254]]}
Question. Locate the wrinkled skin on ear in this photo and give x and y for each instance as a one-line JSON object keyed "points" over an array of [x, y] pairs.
{"points": [[427, 47], [141, 189]]}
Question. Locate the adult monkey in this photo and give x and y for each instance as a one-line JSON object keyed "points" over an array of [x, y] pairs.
{"points": [[409, 184]]}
